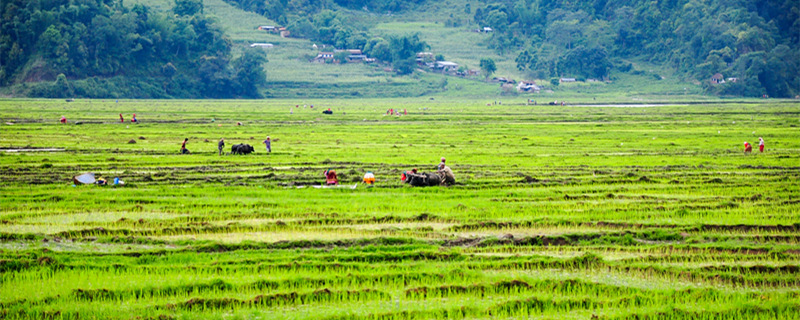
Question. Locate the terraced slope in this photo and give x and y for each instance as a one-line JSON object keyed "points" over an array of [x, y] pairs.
{"points": [[558, 212]]}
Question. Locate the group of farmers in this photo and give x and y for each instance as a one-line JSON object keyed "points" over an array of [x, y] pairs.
{"points": [[749, 148], [221, 144], [443, 172], [443, 176]]}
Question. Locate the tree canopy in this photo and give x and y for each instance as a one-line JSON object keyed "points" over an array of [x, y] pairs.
{"points": [[185, 53], [756, 42]]}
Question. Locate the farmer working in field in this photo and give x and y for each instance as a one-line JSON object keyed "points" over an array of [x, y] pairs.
{"points": [[369, 178], [441, 165], [268, 143], [760, 144], [183, 146], [747, 148], [63, 119], [447, 175], [406, 176], [221, 145], [134, 119], [330, 177]]}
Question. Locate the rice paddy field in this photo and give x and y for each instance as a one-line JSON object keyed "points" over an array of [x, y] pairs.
{"points": [[573, 212]]}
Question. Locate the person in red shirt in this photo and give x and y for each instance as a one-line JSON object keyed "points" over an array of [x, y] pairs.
{"points": [[330, 177], [121, 119], [63, 119], [183, 146], [760, 144], [134, 118], [747, 147]]}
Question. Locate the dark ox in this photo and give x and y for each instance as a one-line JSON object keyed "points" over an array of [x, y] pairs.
{"points": [[423, 179], [241, 149]]}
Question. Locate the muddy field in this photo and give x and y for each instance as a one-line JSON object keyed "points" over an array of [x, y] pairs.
{"points": [[557, 212]]}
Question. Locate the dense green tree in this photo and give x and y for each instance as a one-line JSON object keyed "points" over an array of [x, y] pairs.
{"points": [[101, 40], [62, 87], [378, 48], [697, 38], [188, 7], [250, 74], [404, 51], [488, 67]]}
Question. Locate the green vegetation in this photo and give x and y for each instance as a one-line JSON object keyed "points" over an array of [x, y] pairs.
{"points": [[115, 51], [754, 43], [558, 212], [668, 48]]}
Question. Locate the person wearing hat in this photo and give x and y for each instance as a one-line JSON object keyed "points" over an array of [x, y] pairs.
{"points": [[406, 176], [369, 178], [441, 165], [747, 147], [760, 144]]}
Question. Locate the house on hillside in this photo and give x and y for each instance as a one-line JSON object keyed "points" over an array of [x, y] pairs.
{"points": [[528, 86], [322, 57], [272, 29], [356, 58], [732, 80], [350, 51], [563, 80], [500, 79], [261, 45], [424, 57], [283, 32], [717, 78], [487, 30], [446, 66]]}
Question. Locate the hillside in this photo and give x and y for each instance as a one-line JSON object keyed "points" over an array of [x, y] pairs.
{"points": [[524, 44], [735, 48], [104, 49]]}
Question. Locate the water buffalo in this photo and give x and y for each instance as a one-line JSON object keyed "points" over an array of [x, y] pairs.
{"points": [[241, 149], [423, 179]]}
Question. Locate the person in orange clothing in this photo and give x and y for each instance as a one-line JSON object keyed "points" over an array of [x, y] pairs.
{"points": [[369, 178], [747, 148]]}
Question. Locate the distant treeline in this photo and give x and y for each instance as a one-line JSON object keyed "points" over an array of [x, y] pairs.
{"points": [[100, 48], [757, 42]]}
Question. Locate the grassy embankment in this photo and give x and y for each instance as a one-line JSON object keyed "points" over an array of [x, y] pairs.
{"points": [[558, 211]]}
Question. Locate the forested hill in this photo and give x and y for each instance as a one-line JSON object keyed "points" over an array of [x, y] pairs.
{"points": [[100, 48], [755, 42]]}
